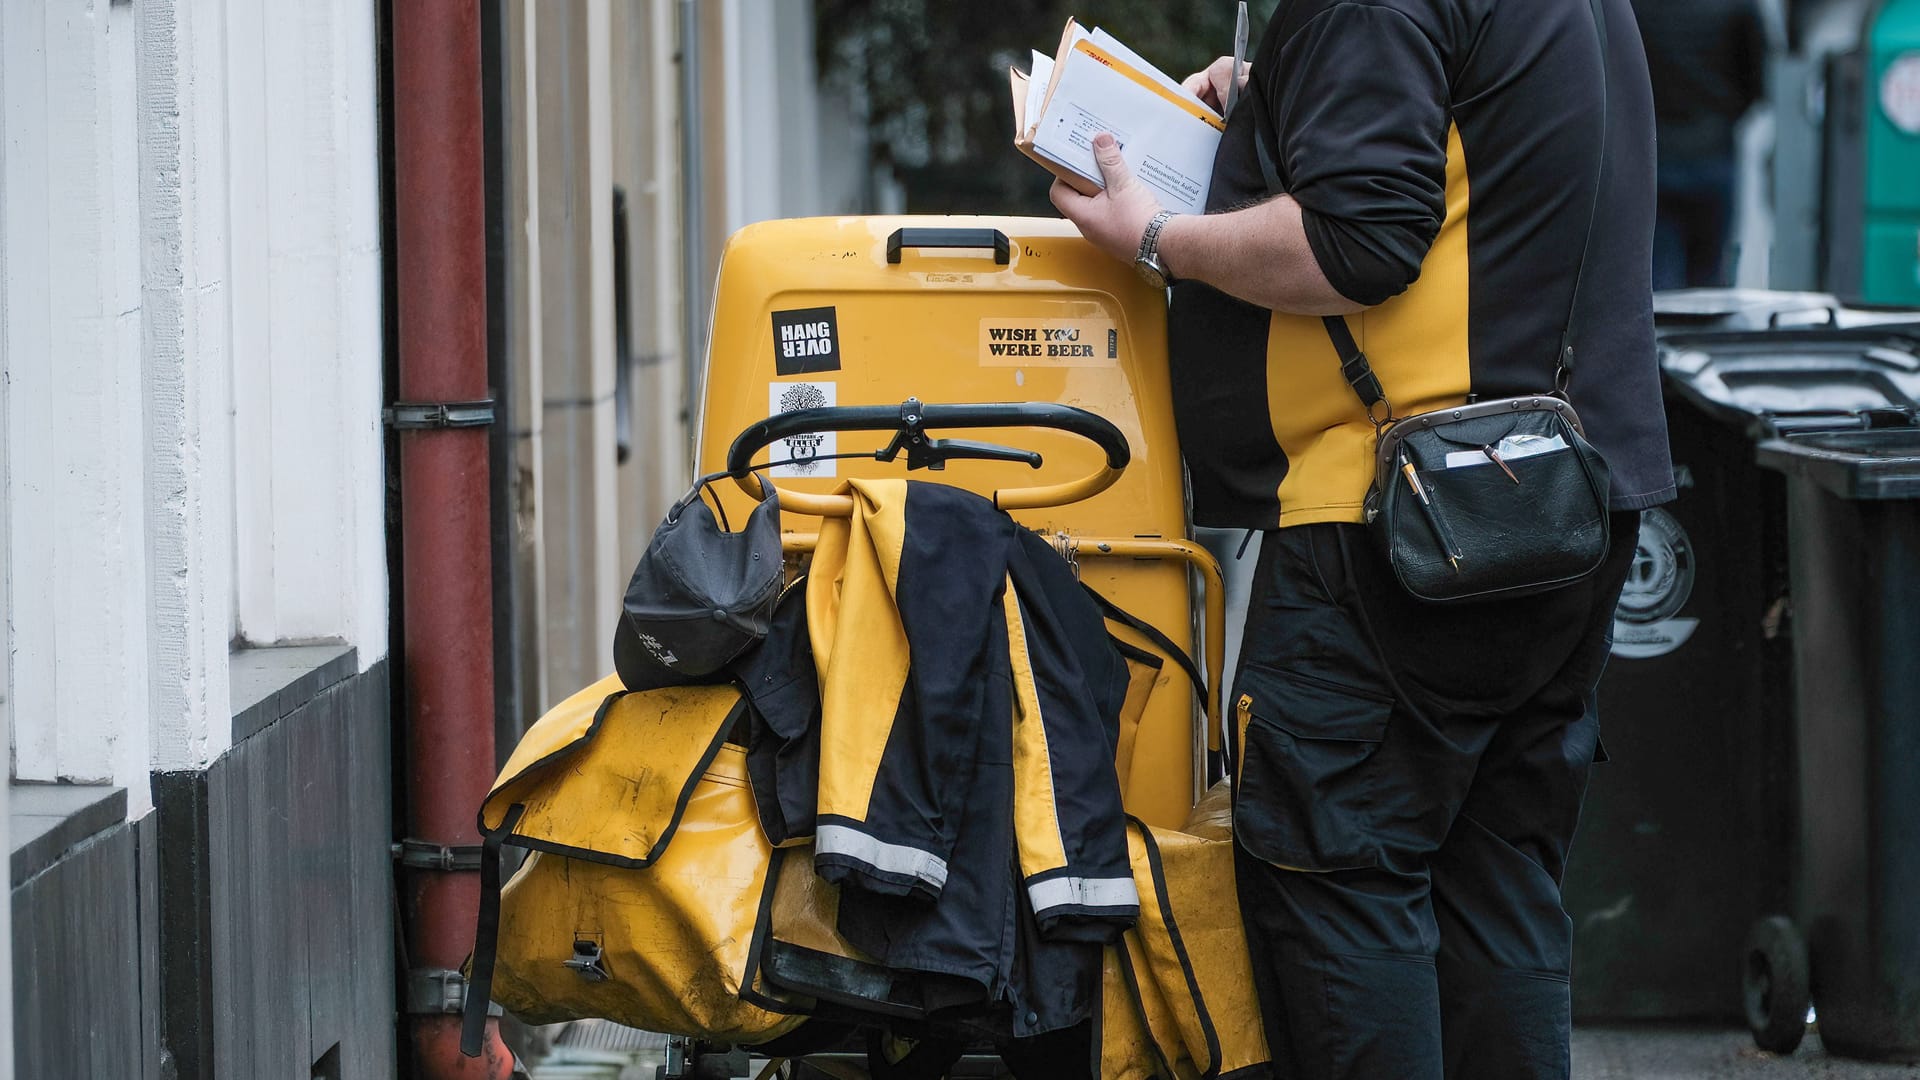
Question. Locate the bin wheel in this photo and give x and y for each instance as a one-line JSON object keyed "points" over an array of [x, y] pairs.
{"points": [[1774, 984]]}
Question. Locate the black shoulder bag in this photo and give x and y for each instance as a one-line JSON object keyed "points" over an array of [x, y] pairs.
{"points": [[1492, 498]]}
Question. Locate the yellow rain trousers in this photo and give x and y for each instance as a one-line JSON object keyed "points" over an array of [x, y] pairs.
{"points": [[1179, 997]]}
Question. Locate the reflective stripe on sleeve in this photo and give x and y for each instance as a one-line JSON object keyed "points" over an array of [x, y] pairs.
{"points": [[882, 856], [1083, 892]]}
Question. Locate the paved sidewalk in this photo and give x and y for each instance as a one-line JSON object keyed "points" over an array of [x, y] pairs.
{"points": [[1655, 1052]]}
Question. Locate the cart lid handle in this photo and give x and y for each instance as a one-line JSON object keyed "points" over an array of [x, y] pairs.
{"points": [[950, 238]]}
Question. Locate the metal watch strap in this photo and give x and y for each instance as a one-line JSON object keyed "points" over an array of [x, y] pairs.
{"points": [[1150, 239]]}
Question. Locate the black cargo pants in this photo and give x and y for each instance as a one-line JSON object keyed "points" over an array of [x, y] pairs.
{"points": [[1410, 779]]}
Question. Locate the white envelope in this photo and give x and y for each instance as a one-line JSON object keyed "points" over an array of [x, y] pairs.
{"points": [[1511, 448], [1090, 97]]}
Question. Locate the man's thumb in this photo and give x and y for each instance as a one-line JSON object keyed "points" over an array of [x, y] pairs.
{"points": [[1113, 167]]}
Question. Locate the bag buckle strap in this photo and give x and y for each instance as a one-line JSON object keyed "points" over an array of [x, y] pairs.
{"points": [[1358, 372], [588, 960], [1366, 386]]}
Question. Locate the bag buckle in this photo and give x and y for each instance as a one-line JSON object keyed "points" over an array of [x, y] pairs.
{"points": [[1366, 385], [586, 960]]}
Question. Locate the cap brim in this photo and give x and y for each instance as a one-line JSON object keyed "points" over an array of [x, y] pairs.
{"points": [[637, 668]]}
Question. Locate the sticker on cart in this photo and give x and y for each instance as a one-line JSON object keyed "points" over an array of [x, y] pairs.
{"points": [[1049, 343], [1648, 620], [809, 454], [806, 340]]}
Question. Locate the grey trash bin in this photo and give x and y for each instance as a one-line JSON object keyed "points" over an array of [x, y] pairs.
{"points": [[1853, 513], [1683, 837]]}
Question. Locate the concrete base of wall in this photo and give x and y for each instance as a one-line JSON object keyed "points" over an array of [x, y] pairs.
{"points": [[85, 968], [244, 929]]}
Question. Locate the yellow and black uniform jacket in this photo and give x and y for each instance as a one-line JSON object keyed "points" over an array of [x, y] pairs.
{"points": [[953, 760], [920, 604], [1443, 155]]}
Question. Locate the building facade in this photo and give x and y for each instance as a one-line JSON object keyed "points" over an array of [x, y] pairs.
{"points": [[199, 686], [195, 677], [622, 175]]}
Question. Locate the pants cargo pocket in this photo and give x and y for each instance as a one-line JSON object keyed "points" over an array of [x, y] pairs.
{"points": [[1304, 792]]}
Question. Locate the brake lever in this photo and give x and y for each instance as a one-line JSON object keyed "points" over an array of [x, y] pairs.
{"points": [[929, 453], [938, 452]]}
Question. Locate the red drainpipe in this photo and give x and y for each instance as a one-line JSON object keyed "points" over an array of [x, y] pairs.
{"points": [[445, 553]]}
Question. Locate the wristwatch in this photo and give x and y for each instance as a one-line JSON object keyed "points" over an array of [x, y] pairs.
{"points": [[1147, 262]]}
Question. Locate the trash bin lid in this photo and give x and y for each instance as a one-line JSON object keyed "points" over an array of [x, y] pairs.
{"points": [[1683, 310], [1798, 379], [1742, 309], [1881, 464]]}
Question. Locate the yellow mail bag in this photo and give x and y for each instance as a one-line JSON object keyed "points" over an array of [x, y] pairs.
{"points": [[648, 876]]}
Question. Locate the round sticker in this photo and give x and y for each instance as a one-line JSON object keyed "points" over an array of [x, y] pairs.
{"points": [[1900, 92], [1647, 622], [1662, 575]]}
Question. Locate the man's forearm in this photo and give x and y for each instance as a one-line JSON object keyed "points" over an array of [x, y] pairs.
{"points": [[1259, 254]]}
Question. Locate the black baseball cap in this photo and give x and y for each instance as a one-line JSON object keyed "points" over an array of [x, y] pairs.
{"points": [[699, 597]]}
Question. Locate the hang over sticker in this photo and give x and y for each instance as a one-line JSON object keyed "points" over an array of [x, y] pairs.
{"points": [[806, 341], [1006, 342]]}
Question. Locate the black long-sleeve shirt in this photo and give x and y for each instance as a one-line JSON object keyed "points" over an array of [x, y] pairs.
{"points": [[1444, 155]]}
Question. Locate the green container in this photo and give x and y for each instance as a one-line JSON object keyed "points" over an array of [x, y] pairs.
{"points": [[1890, 270]]}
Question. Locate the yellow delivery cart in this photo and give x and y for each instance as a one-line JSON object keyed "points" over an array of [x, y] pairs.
{"points": [[871, 312]]}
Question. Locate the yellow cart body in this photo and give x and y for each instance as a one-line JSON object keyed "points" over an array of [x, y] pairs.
{"points": [[874, 311]]}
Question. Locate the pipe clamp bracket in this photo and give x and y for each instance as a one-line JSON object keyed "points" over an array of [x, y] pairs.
{"points": [[422, 855], [439, 992], [416, 415]]}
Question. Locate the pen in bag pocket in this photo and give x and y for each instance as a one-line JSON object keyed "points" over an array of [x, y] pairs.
{"points": [[1432, 512], [1493, 455]]}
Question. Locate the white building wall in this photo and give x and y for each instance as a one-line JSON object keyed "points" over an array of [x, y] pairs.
{"points": [[190, 366], [185, 300], [6, 635], [6, 910], [306, 328], [74, 411]]}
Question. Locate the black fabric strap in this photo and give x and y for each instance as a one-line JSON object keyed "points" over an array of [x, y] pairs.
{"points": [[1152, 633], [1354, 365], [1158, 871], [486, 941], [1593, 211]]}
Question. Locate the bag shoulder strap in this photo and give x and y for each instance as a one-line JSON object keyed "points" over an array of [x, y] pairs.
{"points": [[1354, 365], [1593, 209], [1154, 635]]}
